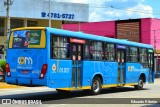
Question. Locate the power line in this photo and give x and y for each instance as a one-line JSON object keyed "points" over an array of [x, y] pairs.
{"points": [[125, 9]]}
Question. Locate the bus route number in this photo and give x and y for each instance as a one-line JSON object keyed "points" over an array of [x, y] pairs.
{"points": [[61, 70]]}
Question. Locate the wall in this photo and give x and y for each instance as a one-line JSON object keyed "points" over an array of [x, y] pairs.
{"points": [[106, 28], [151, 32], [54, 23], [2, 39], [155, 34], [146, 31]]}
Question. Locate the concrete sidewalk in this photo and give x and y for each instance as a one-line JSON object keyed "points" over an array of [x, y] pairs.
{"points": [[157, 81]]}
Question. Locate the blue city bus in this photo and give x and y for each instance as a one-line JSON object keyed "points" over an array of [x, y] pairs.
{"points": [[67, 60]]}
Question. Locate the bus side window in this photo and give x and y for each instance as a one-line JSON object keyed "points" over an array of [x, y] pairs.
{"points": [[109, 52], [86, 52], [60, 47], [90, 52], [96, 49], [143, 57]]}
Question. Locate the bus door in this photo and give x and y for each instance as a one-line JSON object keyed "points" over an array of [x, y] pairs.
{"points": [[121, 66], [150, 61], [76, 64]]}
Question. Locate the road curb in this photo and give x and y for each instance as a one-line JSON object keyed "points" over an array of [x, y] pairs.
{"points": [[4, 85]]}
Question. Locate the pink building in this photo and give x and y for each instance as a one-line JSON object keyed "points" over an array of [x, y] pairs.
{"points": [[145, 30], [106, 28]]}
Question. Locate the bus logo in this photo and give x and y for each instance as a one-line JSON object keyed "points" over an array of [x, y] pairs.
{"points": [[25, 60], [53, 67]]}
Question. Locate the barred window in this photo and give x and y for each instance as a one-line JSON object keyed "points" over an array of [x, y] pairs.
{"points": [[110, 52], [2, 26], [60, 47], [133, 54], [16, 23], [96, 51], [31, 23], [86, 51], [143, 57]]}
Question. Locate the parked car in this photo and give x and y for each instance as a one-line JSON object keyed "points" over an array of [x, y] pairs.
{"points": [[1, 75]]}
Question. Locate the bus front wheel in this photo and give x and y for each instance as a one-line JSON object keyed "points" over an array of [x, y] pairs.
{"points": [[96, 86], [140, 84]]}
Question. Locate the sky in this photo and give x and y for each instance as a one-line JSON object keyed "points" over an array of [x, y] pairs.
{"points": [[105, 10]]}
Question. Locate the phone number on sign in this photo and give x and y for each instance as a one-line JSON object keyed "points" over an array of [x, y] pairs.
{"points": [[58, 15]]}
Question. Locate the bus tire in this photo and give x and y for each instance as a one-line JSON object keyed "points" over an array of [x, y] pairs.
{"points": [[140, 84], [96, 86]]}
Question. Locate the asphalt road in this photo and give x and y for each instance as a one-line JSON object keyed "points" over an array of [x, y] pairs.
{"points": [[120, 97]]}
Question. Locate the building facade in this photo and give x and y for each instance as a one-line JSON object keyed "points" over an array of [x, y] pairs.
{"points": [[29, 13], [145, 30]]}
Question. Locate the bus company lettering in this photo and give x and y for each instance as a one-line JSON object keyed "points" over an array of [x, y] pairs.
{"points": [[132, 68], [60, 70], [25, 60], [33, 41]]}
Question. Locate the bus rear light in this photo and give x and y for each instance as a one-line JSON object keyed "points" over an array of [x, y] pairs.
{"points": [[43, 71], [8, 70]]}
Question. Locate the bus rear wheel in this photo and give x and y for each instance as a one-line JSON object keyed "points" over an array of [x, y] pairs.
{"points": [[96, 86], [140, 84]]}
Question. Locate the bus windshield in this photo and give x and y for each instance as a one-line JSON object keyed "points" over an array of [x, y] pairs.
{"points": [[27, 39]]}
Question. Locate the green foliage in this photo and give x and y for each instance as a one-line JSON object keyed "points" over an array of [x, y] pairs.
{"points": [[3, 65]]}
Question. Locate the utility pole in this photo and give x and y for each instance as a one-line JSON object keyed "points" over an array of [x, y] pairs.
{"points": [[8, 3], [49, 13]]}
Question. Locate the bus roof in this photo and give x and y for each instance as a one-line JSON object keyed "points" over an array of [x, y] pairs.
{"points": [[30, 28], [86, 36], [96, 37]]}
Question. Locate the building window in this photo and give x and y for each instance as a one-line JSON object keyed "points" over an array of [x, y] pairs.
{"points": [[96, 51], [16, 23], [133, 54], [110, 52], [1, 27], [1, 49], [31, 23], [60, 47], [143, 57]]}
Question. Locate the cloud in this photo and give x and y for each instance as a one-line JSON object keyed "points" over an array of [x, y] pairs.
{"points": [[73, 1], [121, 9], [141, 11], [94, 17]]}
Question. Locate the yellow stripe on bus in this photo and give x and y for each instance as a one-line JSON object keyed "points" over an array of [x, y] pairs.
{"points": [[29, 28], [89, 87]]}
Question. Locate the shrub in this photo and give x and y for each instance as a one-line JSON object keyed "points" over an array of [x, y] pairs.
{"points": [[3, 65]]}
